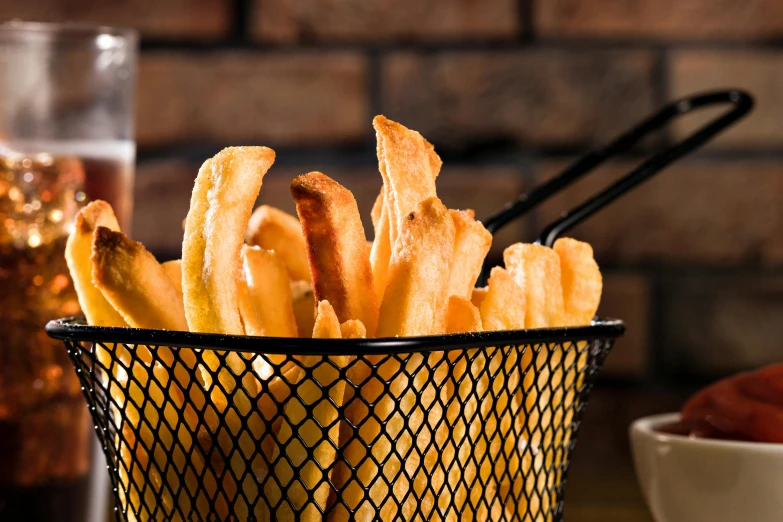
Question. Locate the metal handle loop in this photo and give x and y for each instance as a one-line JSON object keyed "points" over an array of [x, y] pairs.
{"points": [[742, 104]]}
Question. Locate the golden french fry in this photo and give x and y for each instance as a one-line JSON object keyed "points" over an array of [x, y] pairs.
{"points": [[248, 312], [536, 269], [272, 229], [225, 190], [353, 329], [380, 253], [413, 303], [582, 281], [471, 245], [503, 306], [134, 282], [270, 291], [478, 295], [318, 430], [425, 247], [78, 250], [406, 163], [131, 279], [377, 209], [336, 248], [304, 307], [327, 325], [462, 316], [173, 271]]}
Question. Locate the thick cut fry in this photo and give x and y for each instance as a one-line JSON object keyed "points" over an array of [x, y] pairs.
{"points": [[353, 329], [173, 271], [377, 209], [471, 245], [536, 269], [336, 248], [304, 307], [318, 429], [251, 321], [463, 316], [134, 282], [78, 250], [272, 229], [503, 307], [380, 253], [406, 161], [415, 299], [270, 291], [223, 196], [478, 295], [582, 281], [327, 325]]}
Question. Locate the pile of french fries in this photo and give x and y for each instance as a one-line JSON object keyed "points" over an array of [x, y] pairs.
{"points": [[283, 438]]}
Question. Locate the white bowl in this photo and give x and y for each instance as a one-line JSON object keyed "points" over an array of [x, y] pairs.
{"points": [[686, 479]]}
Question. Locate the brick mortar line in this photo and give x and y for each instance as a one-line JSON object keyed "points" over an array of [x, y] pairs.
{"points": [[565, 44], [526, 23], [241, 14], [361, 153]]}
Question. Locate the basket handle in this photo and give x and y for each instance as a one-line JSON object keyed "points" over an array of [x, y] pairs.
{"points": [[742, 103]]}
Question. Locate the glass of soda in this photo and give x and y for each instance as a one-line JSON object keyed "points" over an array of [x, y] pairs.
{"points": [[66, 137]]}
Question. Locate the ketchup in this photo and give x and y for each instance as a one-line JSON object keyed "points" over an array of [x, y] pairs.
{"points": [[746, 407]]}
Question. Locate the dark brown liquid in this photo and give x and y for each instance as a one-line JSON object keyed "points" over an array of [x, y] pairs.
{"points": [[45, 430]]}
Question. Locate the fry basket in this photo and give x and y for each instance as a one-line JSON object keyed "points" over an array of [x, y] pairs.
{"points": [[458, 427], [461, 427]]}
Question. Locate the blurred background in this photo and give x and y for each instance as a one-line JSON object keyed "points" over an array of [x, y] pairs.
{"points": [[509, 91]]}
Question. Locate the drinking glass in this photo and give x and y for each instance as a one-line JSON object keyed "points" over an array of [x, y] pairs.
{"points": [[66, 137]]}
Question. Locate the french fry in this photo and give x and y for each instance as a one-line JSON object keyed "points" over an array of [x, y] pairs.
{"points": [[137, 286], [413, 303], [97, 310], [471, 245], [381, 246], [321, 431], [478, 295], [173, 271], [353, 329], [538, 272], [270, 290], [536, 269], [377, 210], [406, 163], [304, 307], [462, 316], [134, 282], [503, 306], [336, 248], [272, 229], [581, 279], [380, 252], [248, 312], [225, 190]]}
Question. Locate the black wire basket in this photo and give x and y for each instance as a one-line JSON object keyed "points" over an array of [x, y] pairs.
{"points": [[459, 427]]}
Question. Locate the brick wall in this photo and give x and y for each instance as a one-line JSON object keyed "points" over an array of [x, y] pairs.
{"points": [[509, 91]]}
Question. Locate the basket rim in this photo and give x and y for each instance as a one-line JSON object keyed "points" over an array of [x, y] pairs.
{"points": [[75, 329]]}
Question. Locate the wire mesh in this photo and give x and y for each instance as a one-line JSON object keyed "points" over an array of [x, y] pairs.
{"points": [[432, 430]]}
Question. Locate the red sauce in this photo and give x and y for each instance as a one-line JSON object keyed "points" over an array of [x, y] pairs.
{"points": [[699, 431], [745, 407]]}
